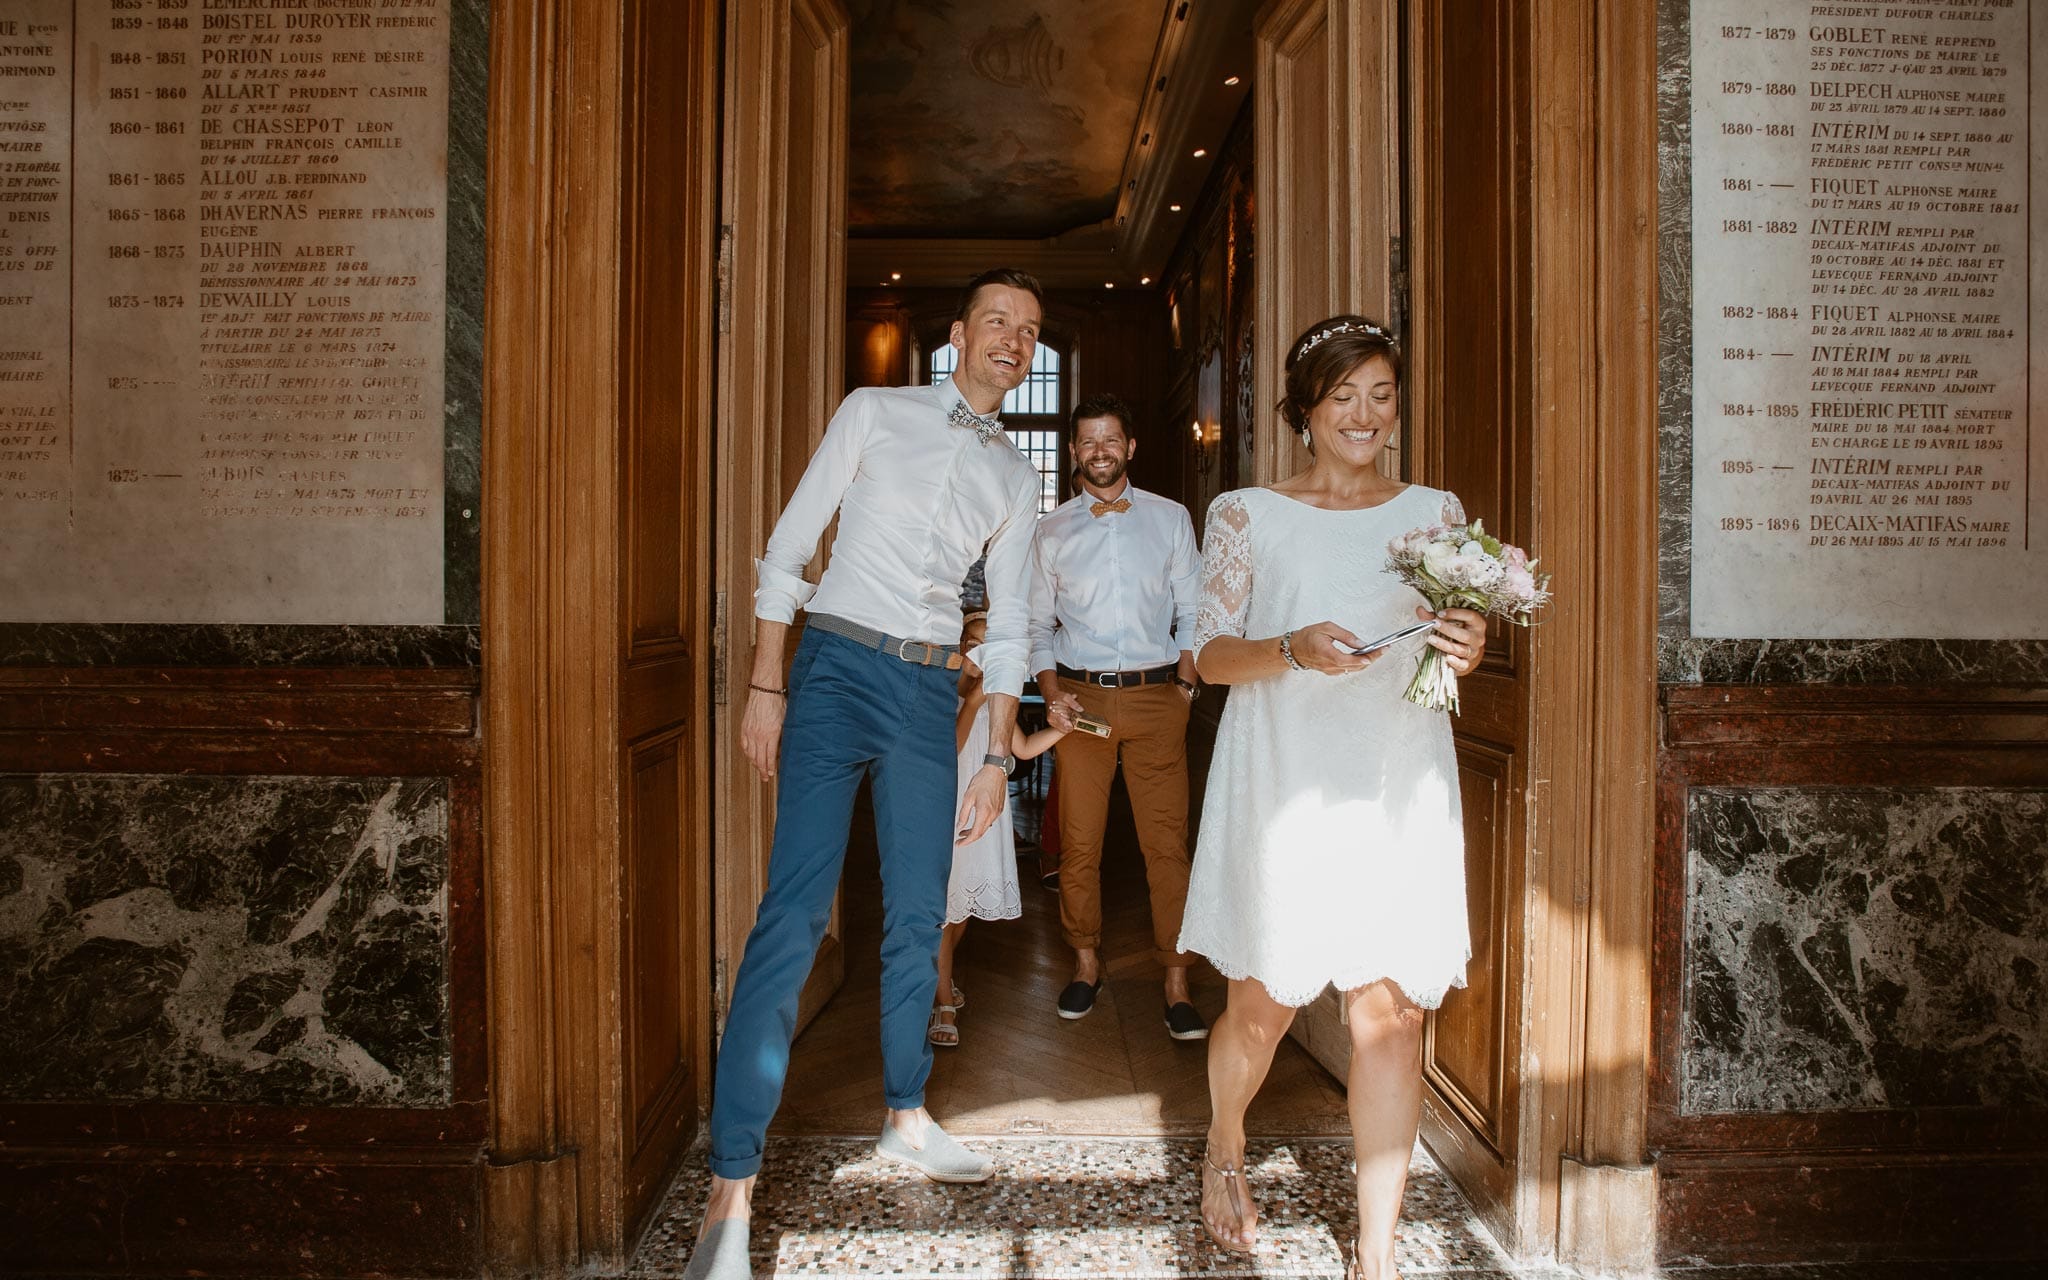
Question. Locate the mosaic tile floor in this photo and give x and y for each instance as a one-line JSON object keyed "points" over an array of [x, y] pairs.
{"points": [[1070, 1209], [1122, 1208]]}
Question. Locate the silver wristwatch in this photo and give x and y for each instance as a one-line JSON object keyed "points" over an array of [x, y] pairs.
{"points": [[1008, 764]]}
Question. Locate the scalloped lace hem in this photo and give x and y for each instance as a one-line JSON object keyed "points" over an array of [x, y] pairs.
{"points": [[987, 902], [1345, 980]]}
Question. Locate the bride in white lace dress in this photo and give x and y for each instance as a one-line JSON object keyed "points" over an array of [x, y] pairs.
{"points": [[1331, 848]]}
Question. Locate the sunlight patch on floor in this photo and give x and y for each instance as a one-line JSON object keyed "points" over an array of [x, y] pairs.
{"points": [[1065, 1209]]}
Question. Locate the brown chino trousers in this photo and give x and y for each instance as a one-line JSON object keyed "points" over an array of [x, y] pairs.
{"points": [[1149, 727]]}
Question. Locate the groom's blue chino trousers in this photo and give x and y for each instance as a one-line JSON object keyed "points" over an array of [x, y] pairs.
{"points": [[852, 711]]}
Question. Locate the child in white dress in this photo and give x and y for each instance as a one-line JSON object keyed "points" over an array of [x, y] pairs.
{"points": [[984, 880]]}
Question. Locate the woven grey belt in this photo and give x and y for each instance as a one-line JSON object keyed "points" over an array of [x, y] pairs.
{"points": [[920, 652]]}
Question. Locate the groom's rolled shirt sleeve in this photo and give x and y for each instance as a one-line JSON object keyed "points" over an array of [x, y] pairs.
{"points": [[780, 586], [1043, 607]]}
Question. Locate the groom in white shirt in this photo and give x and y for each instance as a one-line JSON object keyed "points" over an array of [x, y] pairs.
{"points": [[922, 479], [1114, 587]]}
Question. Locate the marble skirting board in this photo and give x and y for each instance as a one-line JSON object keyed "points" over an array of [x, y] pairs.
{"points": [[1681, 657], [1865, 948], [265, 940]]}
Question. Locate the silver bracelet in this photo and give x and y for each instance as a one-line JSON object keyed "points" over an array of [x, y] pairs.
{"points": [[1287, 651]]}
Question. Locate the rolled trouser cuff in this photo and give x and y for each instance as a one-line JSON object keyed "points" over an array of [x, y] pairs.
{"points": [[734, 1170]]}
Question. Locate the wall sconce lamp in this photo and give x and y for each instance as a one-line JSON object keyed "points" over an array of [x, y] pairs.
{"points": [[1207, 436]]}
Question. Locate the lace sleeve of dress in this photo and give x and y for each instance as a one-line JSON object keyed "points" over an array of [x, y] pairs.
{"points": [[1454, 510], [1226, 571]]}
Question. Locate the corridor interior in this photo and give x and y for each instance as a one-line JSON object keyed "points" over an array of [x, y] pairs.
{"points": [[1097, 1123]]}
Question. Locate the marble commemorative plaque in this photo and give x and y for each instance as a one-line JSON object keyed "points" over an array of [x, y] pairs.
{"points": [[1870, 443], [222, 305]]}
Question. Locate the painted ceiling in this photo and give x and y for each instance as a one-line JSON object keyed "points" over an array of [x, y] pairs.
{"points": [[974, 119]]}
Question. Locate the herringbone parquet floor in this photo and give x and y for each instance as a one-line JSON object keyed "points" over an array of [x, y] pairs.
{"points": [[1019, 1068]]}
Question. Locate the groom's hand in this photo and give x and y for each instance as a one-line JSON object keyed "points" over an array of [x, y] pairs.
{"points": [[761, 730], [987, 792]]}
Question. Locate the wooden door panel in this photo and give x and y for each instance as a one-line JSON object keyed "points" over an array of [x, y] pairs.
{"points": [[1301, 98], [1462, 1054], [655, 933], [779, 377], [1470, 428], [666, 304]]}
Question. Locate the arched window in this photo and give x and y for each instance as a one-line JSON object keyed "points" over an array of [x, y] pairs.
{"points": [[1034, 413]]}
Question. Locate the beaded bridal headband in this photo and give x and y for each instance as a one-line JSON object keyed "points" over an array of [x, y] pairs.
{"points": [[1308, 344]]}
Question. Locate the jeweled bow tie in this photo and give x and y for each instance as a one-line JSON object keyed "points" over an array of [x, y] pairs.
{"points": [[1101, 509], [987, 428]]}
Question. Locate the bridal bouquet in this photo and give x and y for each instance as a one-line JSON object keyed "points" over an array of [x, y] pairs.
{"points": [[1465, 567]]}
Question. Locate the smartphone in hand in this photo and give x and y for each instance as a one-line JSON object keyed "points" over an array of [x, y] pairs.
{"points": [[1385, 640]]}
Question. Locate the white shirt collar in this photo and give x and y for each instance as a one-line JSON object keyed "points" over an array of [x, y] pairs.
{"points": [[1129, 490], [949, 393]]}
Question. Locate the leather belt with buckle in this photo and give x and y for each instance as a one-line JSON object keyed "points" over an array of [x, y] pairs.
{"points": [[1119, 679], [918, 652]]}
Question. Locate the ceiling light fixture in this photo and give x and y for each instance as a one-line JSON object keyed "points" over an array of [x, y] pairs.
{"points": [[1144, 279], [895, 275], [1231, 81], [1109, 284], [1173, 208], [1200, 152]]}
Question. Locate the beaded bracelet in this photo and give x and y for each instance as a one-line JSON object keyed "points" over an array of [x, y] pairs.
{"points": [[762, 688], [1287, 651]]}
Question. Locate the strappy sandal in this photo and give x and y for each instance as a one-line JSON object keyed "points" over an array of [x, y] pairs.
{"points": [[1352, 1271], [946, 1035], [1233, 1182]]}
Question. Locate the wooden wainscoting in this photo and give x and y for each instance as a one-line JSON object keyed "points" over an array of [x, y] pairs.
{"points": [[1859, 1184], [169, 1188]]}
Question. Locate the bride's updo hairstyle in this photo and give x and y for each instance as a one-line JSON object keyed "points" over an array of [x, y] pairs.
{"points": [[1323, 356]]}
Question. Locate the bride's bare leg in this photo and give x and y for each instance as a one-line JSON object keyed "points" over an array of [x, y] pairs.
{"points": [[1385, 1088], [949, 945], [1241, 1047]]}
